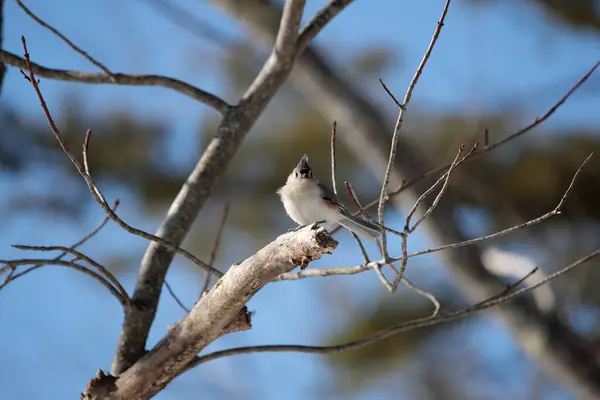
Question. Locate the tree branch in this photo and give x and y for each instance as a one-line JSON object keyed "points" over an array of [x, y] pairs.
{"points": [[38, 263], [215, 247], [80, 256], [383, 196], [84, 171], [318, 22], [217, 313], [393, 330], [489, 147], [62, 37], [119, 79]]}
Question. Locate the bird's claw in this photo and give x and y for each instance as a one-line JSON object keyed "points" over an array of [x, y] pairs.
{"points": [[315, 225], [296, 229]]}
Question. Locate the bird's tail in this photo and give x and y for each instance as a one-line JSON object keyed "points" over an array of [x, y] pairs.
{"points": [[359, 226]]}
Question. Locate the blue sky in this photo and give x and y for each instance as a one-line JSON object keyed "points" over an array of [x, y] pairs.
{"points": [[58, 327]]}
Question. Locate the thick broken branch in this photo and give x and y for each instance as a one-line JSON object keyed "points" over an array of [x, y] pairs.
{"points": [[218, 312]]}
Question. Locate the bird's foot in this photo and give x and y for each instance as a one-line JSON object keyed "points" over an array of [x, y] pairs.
{"points": [[296, 229], [315, 225]]}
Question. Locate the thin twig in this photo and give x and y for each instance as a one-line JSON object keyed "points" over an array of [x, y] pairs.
{"points": [[389, 92], [333, 160], [88, 178], [334, 186], [413, 287], [421, 292], [538, 120], [38, 263], [79, 255], [362, 212], [408, 229], [177, 85], [512, 286], [363, 251], [11, 276], [64, 39], [393, 330], [215, 247], [366, 258], [318, 22], [556, 211], [403, 261], [94, 232], [383, 196], [445, 179], [174, 296]]}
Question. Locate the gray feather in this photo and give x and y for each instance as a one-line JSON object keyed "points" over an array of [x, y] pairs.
{"points": [[359, 226]]}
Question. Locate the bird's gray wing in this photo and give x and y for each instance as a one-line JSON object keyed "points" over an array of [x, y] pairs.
{"points": [[328, 195]]}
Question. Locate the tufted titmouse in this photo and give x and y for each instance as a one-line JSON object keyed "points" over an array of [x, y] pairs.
{"points": [[307, 201]]}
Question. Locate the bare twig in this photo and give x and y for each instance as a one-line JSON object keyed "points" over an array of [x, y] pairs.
{"points": [[88, 178], [333, 161], [64, 39], [215, 247], [11, 275], [395, 138], [445, 179], [318, 22], [403, 260], [362, 212], [119, 79], [556, 211], [512, 286], [105, 272], [38, 263], [334, 186], [378, 271], [537, 121], [421, 292], [94, 232], [393, 330], [176, 298], [389, 92], [413, 287]]}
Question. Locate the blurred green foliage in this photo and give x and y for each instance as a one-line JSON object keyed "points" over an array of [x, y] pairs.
{"points": [[576, 14]]}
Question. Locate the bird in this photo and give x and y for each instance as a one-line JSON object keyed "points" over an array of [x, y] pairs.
{"points": [[308, 201]]}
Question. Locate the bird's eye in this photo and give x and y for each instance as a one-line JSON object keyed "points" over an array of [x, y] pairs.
{"points": [[296, 174], [310, 174]]}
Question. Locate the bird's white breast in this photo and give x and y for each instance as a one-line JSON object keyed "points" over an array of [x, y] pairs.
{"points": [[302, 201]]}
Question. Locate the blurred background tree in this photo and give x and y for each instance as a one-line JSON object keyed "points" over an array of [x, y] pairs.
{"points": [[143, 155]]}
